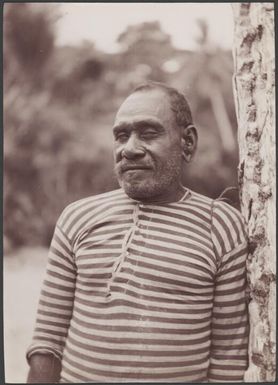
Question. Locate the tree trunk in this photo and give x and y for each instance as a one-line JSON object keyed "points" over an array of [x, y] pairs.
{"points": [[254, 89]]}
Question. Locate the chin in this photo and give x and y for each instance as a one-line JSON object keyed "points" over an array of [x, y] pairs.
{"points": [[138, 192]]}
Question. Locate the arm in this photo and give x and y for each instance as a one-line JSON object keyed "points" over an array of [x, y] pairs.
{"points": [[228, 357], [54, 311], [44, 368]]}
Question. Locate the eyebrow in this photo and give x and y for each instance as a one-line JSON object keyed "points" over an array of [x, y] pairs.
{"points": [[137, 125]]}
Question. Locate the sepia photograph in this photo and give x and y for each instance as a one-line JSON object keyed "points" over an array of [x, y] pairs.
{"points": [[139, 192]]}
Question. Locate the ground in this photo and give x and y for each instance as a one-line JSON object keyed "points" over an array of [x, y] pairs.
{"points": [[23, 273]]}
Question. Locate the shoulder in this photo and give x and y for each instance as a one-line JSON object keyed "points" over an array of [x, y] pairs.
{"points": [[199, 198], [220, 210], [228, 227], [227, 214], [200, 203], [79, 208]]}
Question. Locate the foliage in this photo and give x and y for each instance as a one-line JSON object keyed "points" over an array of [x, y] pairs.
{"points": [[59, 105]]}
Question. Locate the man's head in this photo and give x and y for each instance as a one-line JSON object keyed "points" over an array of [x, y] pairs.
{"points": [[153, 135]]}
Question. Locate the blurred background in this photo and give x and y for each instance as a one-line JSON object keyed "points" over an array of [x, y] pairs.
{"points": [[67, 68]]}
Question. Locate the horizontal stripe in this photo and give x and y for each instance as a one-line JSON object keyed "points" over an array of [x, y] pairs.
{"points": [[166, 318], [142, 292], [141, 329], [129, 304], [130, 375], [133, 364], [136, 351]]}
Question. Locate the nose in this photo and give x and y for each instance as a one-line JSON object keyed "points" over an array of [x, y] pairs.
{"points": [[132, 148]]}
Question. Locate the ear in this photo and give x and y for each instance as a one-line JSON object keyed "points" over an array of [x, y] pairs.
{"points": [[189, 142]]}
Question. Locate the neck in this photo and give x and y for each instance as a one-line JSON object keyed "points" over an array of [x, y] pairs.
{"points": [[173, 196]]}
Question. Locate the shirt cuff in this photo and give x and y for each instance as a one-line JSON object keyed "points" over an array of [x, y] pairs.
{"points": [[43, 350]]}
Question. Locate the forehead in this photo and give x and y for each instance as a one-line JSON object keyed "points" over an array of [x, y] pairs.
{"points": [[148, 104]]}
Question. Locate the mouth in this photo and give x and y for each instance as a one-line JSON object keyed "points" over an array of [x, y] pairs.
{"points": [[134, 167]]}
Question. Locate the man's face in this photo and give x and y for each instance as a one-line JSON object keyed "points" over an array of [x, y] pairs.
{"points": [[147, 148]]}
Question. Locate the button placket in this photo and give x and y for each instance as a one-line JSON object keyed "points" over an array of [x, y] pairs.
{"points": [[125, 246]]}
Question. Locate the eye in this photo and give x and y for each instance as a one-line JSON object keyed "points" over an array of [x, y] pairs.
{"points": [[149, 133], [121, 137]]}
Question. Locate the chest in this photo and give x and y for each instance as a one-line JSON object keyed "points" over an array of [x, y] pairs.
{"points": [[146, 252]]}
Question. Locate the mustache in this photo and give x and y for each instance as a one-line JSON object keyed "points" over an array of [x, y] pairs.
{"points": [[125, 166]]}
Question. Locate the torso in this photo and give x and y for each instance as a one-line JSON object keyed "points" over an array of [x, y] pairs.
{"points": [[144, 291]]}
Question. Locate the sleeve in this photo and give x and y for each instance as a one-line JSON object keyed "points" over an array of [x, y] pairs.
{"points": [[56, 298], [230, 327]]}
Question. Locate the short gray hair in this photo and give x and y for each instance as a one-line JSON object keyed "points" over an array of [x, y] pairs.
{"points": [[178, 102]]}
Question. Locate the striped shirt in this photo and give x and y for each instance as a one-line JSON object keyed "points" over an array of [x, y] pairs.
{"points": [[146, 292]]}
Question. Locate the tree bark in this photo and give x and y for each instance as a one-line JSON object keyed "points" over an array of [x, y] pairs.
{"points": [[254, 90]]}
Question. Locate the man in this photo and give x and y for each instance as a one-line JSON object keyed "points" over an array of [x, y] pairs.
{"points": [[145, 283]]}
